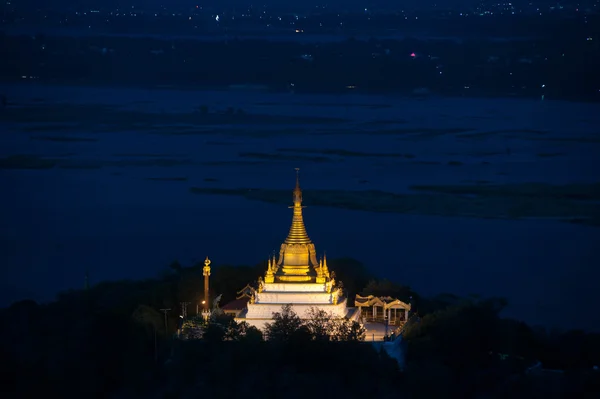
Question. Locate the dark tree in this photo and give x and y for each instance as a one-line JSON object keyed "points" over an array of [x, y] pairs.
{"points": [[284, 324], [214, 333]]}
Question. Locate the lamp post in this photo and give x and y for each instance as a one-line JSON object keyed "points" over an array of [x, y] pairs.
{"points": [[155, 344], [166, 325], [184, 309]]}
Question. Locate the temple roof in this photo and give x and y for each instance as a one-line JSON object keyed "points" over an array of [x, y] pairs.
{"points": [[297, 234], [245, 292], [384, 301], [237, 304]]}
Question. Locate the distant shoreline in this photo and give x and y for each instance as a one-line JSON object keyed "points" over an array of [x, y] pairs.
{"points": [[272, 89], [328, 63], [280, 35]]}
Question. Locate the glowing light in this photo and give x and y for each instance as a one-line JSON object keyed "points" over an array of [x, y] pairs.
{"points": [[413, 55], [217, 18]]}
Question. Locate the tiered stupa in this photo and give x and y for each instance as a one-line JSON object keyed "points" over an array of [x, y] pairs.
{"points": [[296, 278]]}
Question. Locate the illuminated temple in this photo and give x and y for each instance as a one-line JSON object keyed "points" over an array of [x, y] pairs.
{"points": [[297, 278]]}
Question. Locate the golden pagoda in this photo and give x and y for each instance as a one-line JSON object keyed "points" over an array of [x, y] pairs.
{"points": [[296, 278], [297, 256]]}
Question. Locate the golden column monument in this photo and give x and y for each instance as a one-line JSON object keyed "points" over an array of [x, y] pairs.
{"points": [[206, 274]]}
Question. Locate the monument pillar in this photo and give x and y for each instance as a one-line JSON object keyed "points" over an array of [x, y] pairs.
{"points": [[206, 274]]}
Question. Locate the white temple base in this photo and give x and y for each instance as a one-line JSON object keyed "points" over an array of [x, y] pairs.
{"points": [[260, 315], [266, 310]]}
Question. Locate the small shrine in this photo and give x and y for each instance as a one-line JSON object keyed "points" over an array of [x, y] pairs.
{"points": [[383, 309], [237, 306]]}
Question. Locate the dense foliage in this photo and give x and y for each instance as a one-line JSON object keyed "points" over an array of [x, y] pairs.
{"points": [[112, 340], [318, 326], [219, 328], [470, 351], [294, 369]]}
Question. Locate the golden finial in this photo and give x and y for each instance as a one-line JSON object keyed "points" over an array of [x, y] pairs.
{"points": [[269, 277], [297, 190], [297, 234], [206, 268], [320, 275]]}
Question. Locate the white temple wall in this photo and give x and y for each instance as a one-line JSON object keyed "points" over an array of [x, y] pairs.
{"points": [[294, 297], [265, 311], [294, 287]]}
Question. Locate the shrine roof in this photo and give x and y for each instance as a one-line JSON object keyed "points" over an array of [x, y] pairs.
{"points": [[237, 304], [384, 301]]}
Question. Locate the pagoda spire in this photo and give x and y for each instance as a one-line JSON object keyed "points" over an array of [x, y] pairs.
{"points": [[297, 190], [297, 234]]}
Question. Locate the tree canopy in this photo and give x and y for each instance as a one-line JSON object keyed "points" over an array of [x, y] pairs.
{"points": [[319, 325], [113, 340]]}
